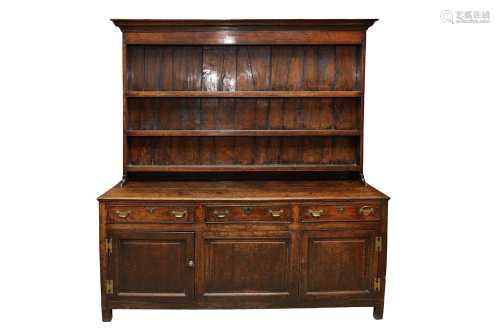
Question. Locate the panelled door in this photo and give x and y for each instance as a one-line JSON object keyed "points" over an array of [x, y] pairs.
{"points": [[248, 266], [337, 264], [152, 265]]}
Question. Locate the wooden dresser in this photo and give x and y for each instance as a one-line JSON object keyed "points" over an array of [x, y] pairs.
{"points": [[243, 177]]}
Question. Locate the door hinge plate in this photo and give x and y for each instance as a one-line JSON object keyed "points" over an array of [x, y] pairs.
{"points": [[378, 243], [109, 287], [376, 284], [109, 246]]}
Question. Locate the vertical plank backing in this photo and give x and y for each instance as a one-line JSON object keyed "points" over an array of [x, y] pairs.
{"points": [[346, 113], [208, 121], [344, 150], [253, 70], [187, 62], [319, 67], [152, 67], [287, 67], [135, 67], [166, 73], [224, 146], [219, 68], [347, 67]]}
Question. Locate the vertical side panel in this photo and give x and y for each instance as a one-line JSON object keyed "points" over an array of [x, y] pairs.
{"points": [[104, 263]]}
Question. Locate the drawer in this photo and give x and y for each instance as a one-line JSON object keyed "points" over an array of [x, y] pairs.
{"points": [[248, 213], [339, 212], [151, 214]]}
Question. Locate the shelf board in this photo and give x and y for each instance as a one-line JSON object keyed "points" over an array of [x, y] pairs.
{"points": [[153, 133], [243, 168], [249, 94]]}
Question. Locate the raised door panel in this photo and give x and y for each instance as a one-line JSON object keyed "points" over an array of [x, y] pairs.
{"points": [[250, 266], [337, 264], [153, 265]]}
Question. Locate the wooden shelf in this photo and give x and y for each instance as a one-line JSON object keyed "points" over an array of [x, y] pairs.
{"points": [[152, 133], [248, 94], [243, 168]]}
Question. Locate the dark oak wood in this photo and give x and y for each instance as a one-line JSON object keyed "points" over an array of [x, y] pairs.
{"points": [[242, 168], [229, 37], [243, 132], [152, 265], [249, 94], [243, 177], [182, 191]]}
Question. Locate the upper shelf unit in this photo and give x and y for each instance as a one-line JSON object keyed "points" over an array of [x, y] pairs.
{"points": [[244, 71]]}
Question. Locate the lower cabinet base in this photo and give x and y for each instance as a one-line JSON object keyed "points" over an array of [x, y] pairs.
{"points": [[107, 314], [260, 254]]}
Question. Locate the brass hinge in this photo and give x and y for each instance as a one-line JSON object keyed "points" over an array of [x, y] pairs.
{"points": [[109, 246], [378, 244], [109, 287], [376, 284]]}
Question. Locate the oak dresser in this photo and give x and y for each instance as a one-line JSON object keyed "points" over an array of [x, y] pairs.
{"points": [[243, 177]]}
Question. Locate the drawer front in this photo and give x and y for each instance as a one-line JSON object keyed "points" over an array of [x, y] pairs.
{"points": [[340, 212], [248, 214], [151, 214]]}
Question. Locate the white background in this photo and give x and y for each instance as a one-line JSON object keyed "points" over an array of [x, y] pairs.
{"points": [[432, 137]]}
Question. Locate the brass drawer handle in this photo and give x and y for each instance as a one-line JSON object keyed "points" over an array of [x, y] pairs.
{"points": [[366, 210], [179, 214], [275, 213], [340, 209], [220, 214], [123, 213], [190, 263], [316, 212], [151, 210]]}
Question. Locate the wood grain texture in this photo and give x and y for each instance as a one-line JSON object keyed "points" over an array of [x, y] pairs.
{"points": [[153, 265], [247, 266], [336, 264], [155, 25], [243, 191], [164, 70], [244, 94], [276, 104], [160, 151], [227, 37]]}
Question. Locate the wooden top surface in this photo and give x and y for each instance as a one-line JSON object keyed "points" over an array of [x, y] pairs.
{"points": [[158, 24], [242, 191]]}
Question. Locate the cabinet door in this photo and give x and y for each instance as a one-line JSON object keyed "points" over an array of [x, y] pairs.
{"points": [[248, 266], [156, 265], [336, 264]]}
